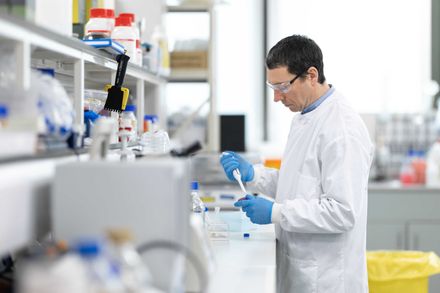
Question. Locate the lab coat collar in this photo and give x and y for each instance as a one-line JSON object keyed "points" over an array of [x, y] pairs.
{"points": [[319, 101]]}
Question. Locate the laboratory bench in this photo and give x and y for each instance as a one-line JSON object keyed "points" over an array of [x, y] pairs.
{"points": [[245, 264]]}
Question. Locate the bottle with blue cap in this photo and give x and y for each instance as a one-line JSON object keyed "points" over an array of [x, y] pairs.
{"points": [[128, 121], [197, 204], [104, 276], [4, 113]]}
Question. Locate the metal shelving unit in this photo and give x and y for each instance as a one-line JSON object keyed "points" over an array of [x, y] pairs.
{"points": [[201, 75]]}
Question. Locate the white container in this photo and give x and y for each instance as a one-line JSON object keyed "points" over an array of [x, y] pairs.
{"points": [[125, 35], [132, 16], [129, 118], [433, 166], [98, 26], [111, 19]]}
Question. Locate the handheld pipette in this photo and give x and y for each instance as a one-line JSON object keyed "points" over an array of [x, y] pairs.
{"points": [[237, 176]]}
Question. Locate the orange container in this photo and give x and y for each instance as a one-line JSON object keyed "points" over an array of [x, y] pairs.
{"points": [[273, 163]]}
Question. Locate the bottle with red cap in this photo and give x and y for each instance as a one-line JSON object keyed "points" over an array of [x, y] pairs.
{"points": [[125, 35], [111, 19], [138, 36], [98, 25]]}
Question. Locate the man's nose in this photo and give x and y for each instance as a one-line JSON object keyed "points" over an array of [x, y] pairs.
{"points": [[277, 96]]}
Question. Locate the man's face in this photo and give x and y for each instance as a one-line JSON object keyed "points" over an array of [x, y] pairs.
{"points": [[288, 89]]}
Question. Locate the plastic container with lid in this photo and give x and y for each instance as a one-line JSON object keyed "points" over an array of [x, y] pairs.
{"points": [[125, 35], [138, 36], [128, 119], [98, 26], [110, 18], [149, 123]]}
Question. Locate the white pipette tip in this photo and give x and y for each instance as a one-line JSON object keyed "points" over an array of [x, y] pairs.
{"points": [[237, 176]]}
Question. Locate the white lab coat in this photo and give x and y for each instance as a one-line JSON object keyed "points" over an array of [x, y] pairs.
{"points": [[321, 201]]}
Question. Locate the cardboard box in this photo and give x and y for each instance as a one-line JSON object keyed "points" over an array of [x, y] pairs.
{"points": [[189, 59]]}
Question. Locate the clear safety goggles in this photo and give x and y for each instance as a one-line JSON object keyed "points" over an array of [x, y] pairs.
{"points": [[282, 86]]}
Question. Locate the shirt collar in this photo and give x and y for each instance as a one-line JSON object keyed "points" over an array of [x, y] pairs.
{"points": [[318, 102]]}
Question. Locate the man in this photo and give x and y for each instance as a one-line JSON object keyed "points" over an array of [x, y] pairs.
{"points": [[320, 208]]}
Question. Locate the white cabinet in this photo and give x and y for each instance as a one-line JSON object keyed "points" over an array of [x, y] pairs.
{"points": [[405, 218], [383, 235], [425, 236]]}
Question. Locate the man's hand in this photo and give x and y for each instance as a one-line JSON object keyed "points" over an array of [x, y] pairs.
{"points": [[258, 209], [231, 161]]}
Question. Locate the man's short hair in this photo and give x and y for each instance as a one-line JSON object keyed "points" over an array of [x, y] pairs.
{"points": [[298, 53]]}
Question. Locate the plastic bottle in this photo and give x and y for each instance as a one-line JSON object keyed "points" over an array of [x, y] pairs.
{"points": [[111, 19], [4, 113], [54, 105], [98, 26], [433, 165], [155, 141], [127, 119], [160, 44], [104, 276], [138, 36], [125, 35], [134, 274], [407, 174], [419, 166], [197, 204], [149, 121]]}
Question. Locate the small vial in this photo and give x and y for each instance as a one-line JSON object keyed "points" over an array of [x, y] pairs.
{"points": [[4, 113]]}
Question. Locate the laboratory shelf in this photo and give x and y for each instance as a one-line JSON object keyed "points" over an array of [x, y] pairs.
{"points": [[188, 8], [190, 75], [76, 64], [52, 154]]}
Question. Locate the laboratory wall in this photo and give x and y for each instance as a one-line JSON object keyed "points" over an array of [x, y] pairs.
{"points": [[378, 54], [240, 69]]}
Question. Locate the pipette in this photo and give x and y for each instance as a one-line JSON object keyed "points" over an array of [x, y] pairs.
{"points": [[237, 176]]}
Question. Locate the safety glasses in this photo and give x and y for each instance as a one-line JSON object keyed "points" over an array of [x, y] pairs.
{"points": [[283, 86]]}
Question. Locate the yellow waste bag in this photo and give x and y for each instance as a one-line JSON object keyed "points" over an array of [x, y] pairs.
{"points": [[401, 271]]}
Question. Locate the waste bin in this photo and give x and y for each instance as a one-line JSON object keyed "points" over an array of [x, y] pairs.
{"points": [[401, 271]]}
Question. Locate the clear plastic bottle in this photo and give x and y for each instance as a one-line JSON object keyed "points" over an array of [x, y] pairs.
{"points": [[160, 44], [135, 275], [125, 35], [128, 118], [103, 275], [433, 165], [98, 26], [197, 204]]}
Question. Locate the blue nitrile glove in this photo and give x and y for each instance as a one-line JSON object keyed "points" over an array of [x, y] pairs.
{"points": [[258, 209], [231, 161]]}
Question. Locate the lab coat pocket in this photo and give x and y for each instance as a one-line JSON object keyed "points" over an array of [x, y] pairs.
{"points": [[307, 187], [302, 276]]}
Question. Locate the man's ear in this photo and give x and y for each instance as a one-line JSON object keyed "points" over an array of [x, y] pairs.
{"points": [[313, 74]]}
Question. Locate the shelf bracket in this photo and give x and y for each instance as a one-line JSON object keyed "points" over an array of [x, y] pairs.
{"points": [[78, 84], [140, 105], [23, 64]]}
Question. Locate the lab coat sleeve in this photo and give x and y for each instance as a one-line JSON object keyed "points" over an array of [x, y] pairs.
{"points": [[265, 180], [345, 164]]}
